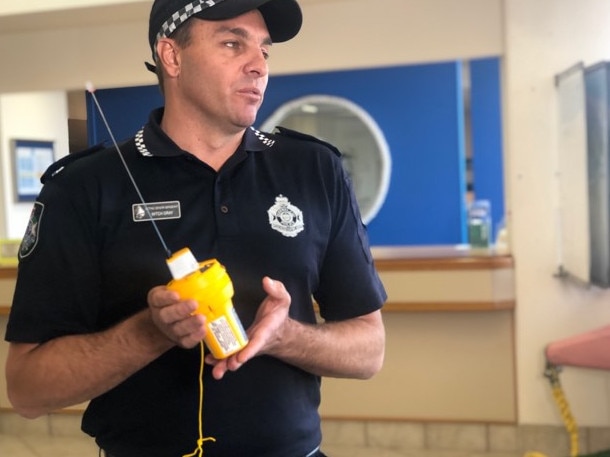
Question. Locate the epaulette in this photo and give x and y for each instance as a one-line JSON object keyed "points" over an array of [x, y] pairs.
{"points": [[56, 167], [306, 137]]}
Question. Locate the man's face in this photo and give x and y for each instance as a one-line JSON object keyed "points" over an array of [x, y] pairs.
{"points": [[223, 70]]}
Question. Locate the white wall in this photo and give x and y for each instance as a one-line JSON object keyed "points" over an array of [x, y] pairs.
{"points": [[537, 38], [543, 38], [336, 34], [28, 116]]}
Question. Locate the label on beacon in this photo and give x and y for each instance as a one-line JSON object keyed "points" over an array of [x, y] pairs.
{"points": [[223, 332]]}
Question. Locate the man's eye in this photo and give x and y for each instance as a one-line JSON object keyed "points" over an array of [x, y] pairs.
{"points": [[232, 44], [265, 54]]}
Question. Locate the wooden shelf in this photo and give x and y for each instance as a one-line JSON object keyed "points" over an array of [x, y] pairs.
{"points": [[8, 272], [391, 258], [397, 307]]}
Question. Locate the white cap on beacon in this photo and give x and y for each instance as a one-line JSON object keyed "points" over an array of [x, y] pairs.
{"points": [[182, 263]]}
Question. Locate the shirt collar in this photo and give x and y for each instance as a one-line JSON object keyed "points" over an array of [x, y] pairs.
{"points": [[152, 141]]}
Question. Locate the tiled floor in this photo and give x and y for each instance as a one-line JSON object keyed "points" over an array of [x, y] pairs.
{"points": [[348, 451], [55, 446], [59, 435]]}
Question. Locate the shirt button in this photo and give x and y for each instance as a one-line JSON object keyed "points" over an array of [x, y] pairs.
{"points": [[224, 209]]}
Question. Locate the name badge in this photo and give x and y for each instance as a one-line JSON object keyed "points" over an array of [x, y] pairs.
{"points": [[155, 211]]}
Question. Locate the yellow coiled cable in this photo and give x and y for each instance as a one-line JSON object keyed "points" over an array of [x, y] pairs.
{"points": [[552, 373]]}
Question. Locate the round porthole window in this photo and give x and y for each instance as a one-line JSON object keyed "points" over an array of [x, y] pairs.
{"points": [[365, 152]]}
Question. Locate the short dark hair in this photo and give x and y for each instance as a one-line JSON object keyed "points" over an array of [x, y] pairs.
{"points": [[182, 37]]}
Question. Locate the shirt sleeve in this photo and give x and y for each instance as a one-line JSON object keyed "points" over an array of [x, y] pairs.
{"points": [[58, 285], [349, 283]]}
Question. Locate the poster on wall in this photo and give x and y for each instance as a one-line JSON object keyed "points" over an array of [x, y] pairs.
{"points": [[31, 158]]}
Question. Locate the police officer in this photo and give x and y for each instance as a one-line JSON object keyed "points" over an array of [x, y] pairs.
{"points": [[92, 319]]}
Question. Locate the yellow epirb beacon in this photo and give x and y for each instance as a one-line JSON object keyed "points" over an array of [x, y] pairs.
{"points": [[209, 284]]}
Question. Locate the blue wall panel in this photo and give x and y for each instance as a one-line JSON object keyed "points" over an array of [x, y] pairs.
{"points": [[126, 110], [486, 118]]}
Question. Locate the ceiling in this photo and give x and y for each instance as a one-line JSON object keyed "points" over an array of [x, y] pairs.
{"points": [[86, 16]]}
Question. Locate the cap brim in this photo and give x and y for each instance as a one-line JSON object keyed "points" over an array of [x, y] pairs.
{"points": [[282, 17]]}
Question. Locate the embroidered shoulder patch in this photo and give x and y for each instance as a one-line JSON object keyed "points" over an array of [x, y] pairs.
{"points": [[285, 217], [30, 239]]}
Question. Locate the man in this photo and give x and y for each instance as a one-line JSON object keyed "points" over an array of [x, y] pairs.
{"points": [[91, 318]]}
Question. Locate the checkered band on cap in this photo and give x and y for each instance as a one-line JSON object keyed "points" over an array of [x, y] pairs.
{"points": [[181, 16]]}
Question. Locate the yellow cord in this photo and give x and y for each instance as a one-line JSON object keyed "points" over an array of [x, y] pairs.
{"points": [[552, 372], [199, 450], [568, 419]]}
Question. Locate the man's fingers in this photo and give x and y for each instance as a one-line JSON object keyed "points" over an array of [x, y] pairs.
{"points": [[274, 288], [177, 312], [160, 296]]}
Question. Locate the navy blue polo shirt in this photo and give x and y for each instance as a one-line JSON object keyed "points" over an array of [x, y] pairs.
{"points": [[281, 206]]}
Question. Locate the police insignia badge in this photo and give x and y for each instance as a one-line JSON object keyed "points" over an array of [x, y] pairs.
{"points": [[285, 217], [30, 239]]}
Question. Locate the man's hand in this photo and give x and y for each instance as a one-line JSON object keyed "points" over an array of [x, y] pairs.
{"points": [[265, 331], [175, 318]]}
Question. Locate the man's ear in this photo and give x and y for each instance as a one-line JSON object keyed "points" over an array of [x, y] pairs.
{"points": [[168, 55]]}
